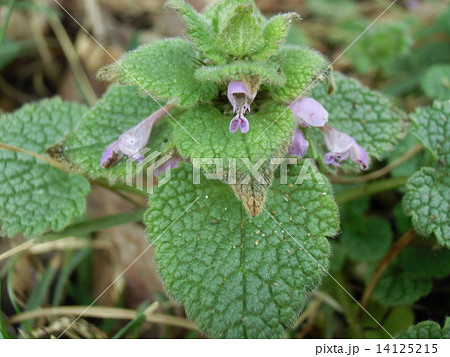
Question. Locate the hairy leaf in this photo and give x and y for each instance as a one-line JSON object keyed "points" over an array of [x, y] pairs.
{"points": [[240, 276], [427, 330], [199, 30], [164, 69], [242, 36], [301, 66], [364, 114], [426, 199], [275, 32], [267, 73], [254, 149], [34, 195], [432, 129]]}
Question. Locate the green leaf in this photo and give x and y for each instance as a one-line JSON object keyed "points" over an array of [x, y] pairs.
{"points": [[410, 276], [240, 276], [427, 330], [397, 288], [301, 66], [267, 73], [426, 201], [432, 129], [436, 82], [35, 196], [364, 114], [242, 36], [165, 69], [421, 262], [222, 11], [199, 30], [366, 238], [211, 128], [275, 32], [120, 109]]}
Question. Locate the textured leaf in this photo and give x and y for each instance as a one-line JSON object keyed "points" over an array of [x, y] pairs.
{"points": [[222, 11], [433, 129], [35, 196], [268, 73], [211, 128], [165, 69], [301, 66], [426, 201], [240, 276], [436, 82], [120, 109], [275, 32], [366, 115], [397, 288], [242, 36], [426, 330], [199, 30]]}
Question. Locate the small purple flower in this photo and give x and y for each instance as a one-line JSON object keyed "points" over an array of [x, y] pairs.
{"points": [[240, 98], [172, 163], [300, 145], [342, 146], [132, 141], [309, 112]]}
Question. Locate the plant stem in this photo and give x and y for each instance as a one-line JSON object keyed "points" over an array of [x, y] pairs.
{"points": [[7, 18], [395, 250], [370, 189], [381, 172]]}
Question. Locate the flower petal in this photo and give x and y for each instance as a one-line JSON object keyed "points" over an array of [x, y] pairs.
{"points": [[300, 145], [359, 155], [309, 112]]}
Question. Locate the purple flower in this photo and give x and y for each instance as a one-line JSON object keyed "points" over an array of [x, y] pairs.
{"points": [[300, 145], [342, 146], [309, 112], [132, 141], [240, 98]]}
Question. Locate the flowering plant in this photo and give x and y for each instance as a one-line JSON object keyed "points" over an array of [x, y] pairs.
{"points": [[244, 245]]}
